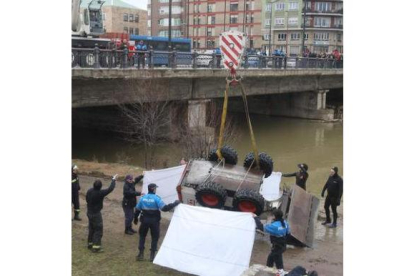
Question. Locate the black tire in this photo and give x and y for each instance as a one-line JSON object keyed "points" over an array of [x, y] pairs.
{"points": [[211, 194], [246, 200], [265, 161], [229, 154]]}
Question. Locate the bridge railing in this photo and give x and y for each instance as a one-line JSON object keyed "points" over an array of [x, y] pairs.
{"points": [[123, 59]]}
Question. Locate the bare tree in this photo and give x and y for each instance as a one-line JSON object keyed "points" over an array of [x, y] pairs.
{"points": [[147, 118]]}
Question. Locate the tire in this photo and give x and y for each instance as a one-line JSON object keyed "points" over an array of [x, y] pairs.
{"points": [[211, 194], [265, 161], [229, 154], [246, 200]]}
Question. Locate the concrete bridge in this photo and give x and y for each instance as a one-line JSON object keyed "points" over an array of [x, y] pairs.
{"points": [[293, 92]]}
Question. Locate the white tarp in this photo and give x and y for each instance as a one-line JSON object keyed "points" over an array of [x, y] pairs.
{"points": [[271, 186], [167, 180], [208, 242]]}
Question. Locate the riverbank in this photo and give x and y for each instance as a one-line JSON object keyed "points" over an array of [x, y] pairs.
{"points": [[120, 250]]}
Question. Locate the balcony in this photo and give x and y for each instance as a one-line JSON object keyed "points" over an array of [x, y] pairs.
{"points": [[335, 26], [329, 12]]}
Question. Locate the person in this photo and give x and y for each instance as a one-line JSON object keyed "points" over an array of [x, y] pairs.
{"points": [[149, 207], [301, 176], [218, 56], [130, 201], [334, 186], [75, 192], [94, 200], [301, 271], [278, 230], [141, 55]]}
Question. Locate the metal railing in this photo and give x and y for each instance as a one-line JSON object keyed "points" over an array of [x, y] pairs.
{"points": [[123, 59]]}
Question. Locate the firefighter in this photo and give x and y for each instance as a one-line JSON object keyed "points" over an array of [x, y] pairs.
{"points": [[278, 230], [301, 176], [334, 186], [94, 199], [75, 192], [149, 207], [130, 201]]}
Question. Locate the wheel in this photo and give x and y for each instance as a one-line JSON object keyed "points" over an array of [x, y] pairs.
{"points": [[211, 194], [246, 200], [265, 161], [229, 154]]}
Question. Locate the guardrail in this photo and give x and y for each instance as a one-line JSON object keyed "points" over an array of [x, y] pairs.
{"points": [[101, 58]]}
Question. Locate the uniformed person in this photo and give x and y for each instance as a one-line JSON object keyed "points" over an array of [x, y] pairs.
{"points": [[94, 199], [130, 201], [75, 192], [301, 176], [334, 186], [149, 207], [278, 230]]}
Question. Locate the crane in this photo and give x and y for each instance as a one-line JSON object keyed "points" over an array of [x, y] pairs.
{"points": [[88, 23]]}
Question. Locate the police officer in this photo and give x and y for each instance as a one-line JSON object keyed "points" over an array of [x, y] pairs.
{"points": [[75, 192], [141, 48], [94, 199], [334, 185], [130, 201], [149, 207], [278, 230], [301, 176]]}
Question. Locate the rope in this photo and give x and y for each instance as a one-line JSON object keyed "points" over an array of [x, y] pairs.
{"points": [[223, 122]]}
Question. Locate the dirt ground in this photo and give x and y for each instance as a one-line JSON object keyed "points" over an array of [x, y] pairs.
{"points": [[120, 250]]}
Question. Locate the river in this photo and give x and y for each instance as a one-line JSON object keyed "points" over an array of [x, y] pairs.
{"points": [[288, 141]]}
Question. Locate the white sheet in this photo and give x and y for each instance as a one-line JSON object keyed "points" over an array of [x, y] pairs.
{"points": [[208, 242], [270, 188], [167, 180]]}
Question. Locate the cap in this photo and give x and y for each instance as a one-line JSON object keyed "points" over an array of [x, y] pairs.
{"points": [[152, 186], [128, 177], [335, 169]]}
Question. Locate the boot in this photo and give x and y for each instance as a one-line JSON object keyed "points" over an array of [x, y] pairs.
{"points": [[128, 231], [326, 222], [333, 225], [77, 216], [90, 245], [152, 256], [140, 256], [132, 230], [97, 249]]}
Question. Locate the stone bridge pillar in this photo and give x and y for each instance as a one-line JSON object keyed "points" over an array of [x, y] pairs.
{"points": [[197, 113]]}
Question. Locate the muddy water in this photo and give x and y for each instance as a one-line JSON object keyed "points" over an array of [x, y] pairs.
{"points": [[287, 141]]}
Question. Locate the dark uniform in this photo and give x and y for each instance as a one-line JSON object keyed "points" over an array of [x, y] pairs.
{"points": [[334, 186], [301, 176], [94, 199], [278, 237], [75, 194], [130, 201], [149, 207]]}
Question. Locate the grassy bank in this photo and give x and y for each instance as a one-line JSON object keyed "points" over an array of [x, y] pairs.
{"points": [[99, 169]]}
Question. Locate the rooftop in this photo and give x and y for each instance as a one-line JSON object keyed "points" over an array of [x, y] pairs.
{"points": [[111, 3]]}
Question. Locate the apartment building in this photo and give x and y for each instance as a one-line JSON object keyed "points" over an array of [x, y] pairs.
{"points": [[158, 14], [207, 19], [121, 17], [283, 28]]}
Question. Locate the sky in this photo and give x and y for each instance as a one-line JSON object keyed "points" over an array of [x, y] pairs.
{"points": [[142, 4]]}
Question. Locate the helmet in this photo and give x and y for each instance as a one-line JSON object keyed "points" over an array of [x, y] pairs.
{"points": [[303, 167]]}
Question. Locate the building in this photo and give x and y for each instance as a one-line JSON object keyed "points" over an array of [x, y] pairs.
{"points": [[121, 17], [158, 13], [323, 31], [207, 19]]}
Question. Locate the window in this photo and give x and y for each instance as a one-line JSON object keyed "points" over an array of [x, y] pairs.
{"points": [[210, 7], [196, 8], [338, 22], [267, 22], [268, 7], [233, 19], [281, 37], [280, 6], [136, 32], [322, 22], [234, 7], [293, 6], [137, 18], [266, 37], [249, 6], [131, 30], [125, 29], [322, 6], [211, 20], [131, 18], [174, 10], [306, 36], [339, 37], [295, 36], [125, 17], [249, 18], [294, 50], [210, 31], [321, 36], [279, 21], [293, 21]]}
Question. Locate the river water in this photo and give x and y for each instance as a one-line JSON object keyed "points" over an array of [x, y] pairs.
{"points": [[288, 141]]}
